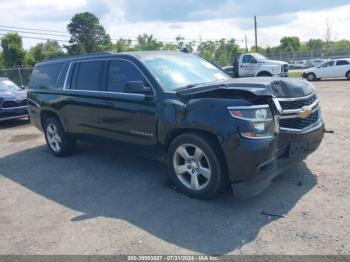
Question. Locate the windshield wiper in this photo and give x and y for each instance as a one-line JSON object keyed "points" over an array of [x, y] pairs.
{"points": [[188, 86]]}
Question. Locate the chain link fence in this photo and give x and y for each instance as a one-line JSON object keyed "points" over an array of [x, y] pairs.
{"points": [[19, 75], [309, 54]]}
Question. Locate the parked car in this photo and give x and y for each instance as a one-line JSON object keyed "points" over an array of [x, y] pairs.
{"points": [[13, 100], [215, 130], [298, 64], [334, 68], [316, 62], [255, 64]]}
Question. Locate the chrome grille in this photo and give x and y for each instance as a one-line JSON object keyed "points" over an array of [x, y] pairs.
{"points": [[300, 123], [296, 104], [298, 114], [9, 104]]}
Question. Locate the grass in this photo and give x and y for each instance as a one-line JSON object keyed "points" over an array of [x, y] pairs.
{"points": [[295, 73]]}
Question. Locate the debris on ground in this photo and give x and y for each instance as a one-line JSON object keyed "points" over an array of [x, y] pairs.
{"points": [[272, 215]]}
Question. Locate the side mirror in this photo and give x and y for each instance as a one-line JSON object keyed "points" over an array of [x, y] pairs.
{"points": [[137, 87]]}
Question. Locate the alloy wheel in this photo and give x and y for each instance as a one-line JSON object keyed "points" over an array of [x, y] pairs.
{"points": [[192, 166], [53, 137]]}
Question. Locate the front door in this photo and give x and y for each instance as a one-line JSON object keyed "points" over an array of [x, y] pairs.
{"points": [[128, 117], [248, 66]]}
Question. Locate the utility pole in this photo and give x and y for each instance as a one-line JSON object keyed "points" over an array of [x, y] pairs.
{"points": [[256, 34], [246, 43]]}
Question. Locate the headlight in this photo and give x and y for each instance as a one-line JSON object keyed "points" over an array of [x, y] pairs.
{"points": [[258, 121]]}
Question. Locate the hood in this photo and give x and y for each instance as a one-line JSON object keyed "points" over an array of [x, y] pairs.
{"points": [[260, 86], [15, 94], [272, 62], [309, 70]]}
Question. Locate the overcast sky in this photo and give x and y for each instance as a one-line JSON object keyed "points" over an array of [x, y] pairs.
{"points": [[193, 19]]}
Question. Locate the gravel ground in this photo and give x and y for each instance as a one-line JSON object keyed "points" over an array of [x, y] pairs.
{"points": [[103, 201]]}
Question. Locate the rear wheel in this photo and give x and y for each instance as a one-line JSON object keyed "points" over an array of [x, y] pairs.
{"points": [[196, 167], [310, 77], [264, 74], [348, 75], [58, 141]]}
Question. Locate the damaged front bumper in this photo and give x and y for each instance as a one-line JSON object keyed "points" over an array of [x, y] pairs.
{"points": [[292, 147]]}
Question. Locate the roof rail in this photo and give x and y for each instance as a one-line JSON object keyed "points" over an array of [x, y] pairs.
{"points": [[77, 56]]}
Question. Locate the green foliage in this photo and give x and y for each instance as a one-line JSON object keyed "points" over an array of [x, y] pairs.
{"points": [[122, 45], [290, 43], [148, 42], [87, 35], [220, 52], [47, 50], [29, 59], [12, 50], [182, 45]]}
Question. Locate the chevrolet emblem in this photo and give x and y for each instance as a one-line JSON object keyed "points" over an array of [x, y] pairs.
{"points": [[305, 112]]}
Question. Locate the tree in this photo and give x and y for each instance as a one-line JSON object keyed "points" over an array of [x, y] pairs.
{"points": [[290, 43], [207, 49], [315, 44], [87, 35], [122, 45], [47, 50], [182, 45], [148, 42], [224, 51], [12, 50]]}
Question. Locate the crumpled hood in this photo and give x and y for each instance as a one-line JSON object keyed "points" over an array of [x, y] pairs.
{"points": [[20, 94], [260, 86]]}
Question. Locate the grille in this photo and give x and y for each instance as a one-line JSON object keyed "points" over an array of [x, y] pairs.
{"points": [[299, 123], [12, 103], [289, 105]]}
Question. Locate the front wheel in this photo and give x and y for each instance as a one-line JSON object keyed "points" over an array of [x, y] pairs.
{"points": [[196, 166], [58, 141], [348, 75], [310, 77]]}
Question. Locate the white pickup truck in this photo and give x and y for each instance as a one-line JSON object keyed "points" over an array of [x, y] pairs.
{"points": [[334, 68], [255, 64]]}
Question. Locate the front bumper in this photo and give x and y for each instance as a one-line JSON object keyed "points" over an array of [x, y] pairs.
{"points": [[10, 114], [288, 149]]}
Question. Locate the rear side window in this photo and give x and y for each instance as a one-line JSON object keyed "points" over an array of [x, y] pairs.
{"points": [[120, 72], [342, 62], [45, 76], [88, 75]]}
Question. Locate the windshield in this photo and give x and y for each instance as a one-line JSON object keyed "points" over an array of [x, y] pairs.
{"points": [[7, 85], [259, 56], [174, 71]]}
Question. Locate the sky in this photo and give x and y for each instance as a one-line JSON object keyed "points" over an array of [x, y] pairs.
{"points": [[192, 19]]}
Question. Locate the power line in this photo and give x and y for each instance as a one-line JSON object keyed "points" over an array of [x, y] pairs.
{"points": [[33, 29], [40, 38], [33, 33], [65, 34]]}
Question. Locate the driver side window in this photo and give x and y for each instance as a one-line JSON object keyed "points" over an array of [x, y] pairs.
{"points": [[249, 59], [120, 72]]}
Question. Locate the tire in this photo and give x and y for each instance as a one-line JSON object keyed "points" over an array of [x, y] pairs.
{"points": [[348, 75], [310, 77], [58, 141], [262, 74], [196, 166]]}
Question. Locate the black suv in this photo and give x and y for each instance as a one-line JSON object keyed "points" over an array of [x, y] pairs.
{"points": [[215, 130]]}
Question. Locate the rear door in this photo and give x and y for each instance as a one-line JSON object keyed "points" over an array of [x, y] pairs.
{"points": [[342, 66], [83, 88], [128, 117]]}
